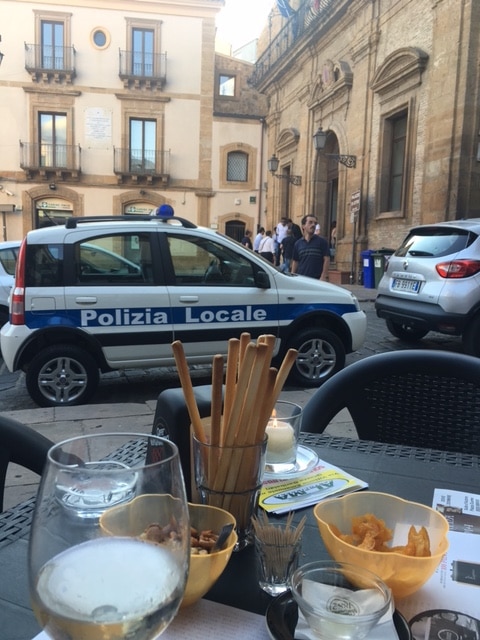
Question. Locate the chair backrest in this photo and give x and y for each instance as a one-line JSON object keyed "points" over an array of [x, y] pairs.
{"points": [[22, 445], [413, 397], [173, 421]]}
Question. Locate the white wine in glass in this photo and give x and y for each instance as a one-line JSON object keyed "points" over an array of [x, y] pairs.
{"points": [[87, 583]]}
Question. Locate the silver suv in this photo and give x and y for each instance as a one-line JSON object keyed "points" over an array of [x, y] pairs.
{"points": [[432, 283], [99, 294]]}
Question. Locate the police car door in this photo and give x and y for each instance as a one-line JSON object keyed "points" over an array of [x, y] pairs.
{"points": [[216, 294], [118, 298]]}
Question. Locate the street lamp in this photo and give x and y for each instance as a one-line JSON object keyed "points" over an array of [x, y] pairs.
{"points": [[273, 163], [319, 141]]}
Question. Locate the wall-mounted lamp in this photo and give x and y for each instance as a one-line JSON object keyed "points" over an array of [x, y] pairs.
{"points": [[52, 186], [1, 54], [319, 141], [273, 166]]}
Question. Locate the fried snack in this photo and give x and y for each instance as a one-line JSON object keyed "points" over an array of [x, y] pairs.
{"points": [[371, 533], [157, 533], [418, 544], [201, 542]]}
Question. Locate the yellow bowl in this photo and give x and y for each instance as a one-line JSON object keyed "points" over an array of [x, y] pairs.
{"points": [[403, 574], [206, 569], [133, 518]]}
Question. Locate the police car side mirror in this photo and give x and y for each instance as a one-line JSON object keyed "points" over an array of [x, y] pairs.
{"points": [[262, 280]]}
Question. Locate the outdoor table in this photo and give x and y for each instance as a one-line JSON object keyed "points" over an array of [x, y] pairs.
{"points": [[407, 472]]}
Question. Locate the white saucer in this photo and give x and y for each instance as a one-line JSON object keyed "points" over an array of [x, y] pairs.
{"points": [[306, 460]]}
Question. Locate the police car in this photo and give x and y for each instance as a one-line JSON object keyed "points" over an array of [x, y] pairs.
{"points": [[106, 293]]}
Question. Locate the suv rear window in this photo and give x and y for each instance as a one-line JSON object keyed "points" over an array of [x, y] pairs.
{"points": [[44, 265], [435, 242]]}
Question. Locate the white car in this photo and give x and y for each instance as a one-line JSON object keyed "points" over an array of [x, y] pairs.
{"points": [[8, 259], [155, 280], [432, 283]]}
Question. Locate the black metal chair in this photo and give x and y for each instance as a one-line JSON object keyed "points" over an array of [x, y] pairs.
{"points": [[413, 397], [173, 421], [23, 446]]}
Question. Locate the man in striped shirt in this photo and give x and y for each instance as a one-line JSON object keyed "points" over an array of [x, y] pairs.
{"points": [[311, 254]]}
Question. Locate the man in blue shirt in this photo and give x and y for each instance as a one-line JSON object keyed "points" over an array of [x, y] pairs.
{"points": [[311, 254]]}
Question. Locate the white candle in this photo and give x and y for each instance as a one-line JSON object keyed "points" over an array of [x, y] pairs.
{"points": [[281, 444]]}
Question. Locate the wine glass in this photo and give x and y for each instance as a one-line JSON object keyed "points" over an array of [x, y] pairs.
{"points": [[87, 582]]}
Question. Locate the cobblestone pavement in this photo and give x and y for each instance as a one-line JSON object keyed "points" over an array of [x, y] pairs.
{"points": [[126, 400], [142, 385]]}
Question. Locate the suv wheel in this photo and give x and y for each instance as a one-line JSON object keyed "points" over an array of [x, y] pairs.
{"points": [[471, 337], [320, 355], [62, 375], [404, 332]]}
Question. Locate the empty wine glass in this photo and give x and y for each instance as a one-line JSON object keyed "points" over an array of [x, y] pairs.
{"points": [[85, 583]]}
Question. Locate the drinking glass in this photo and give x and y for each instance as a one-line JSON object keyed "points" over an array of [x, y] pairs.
{"points": [[340, 601], [86, 583], [230, 478]]}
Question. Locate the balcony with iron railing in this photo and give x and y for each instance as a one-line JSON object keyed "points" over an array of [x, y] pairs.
{"points": [[141, 166], [310, 19], [143, 70], [50, 160], [47, 63]]}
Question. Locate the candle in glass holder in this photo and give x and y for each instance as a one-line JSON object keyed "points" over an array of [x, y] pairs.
{"points": [[282, 444]]}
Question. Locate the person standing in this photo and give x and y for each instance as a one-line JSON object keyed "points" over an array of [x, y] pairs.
{"points": [[280, 233], [286, 249], [266, 248], [296, 231], [246, 240], [258, 239], [311, 254], [333, 240]]}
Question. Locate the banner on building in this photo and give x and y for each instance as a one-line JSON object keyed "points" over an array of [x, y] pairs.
{"points": [[315, 9], [284, 8]]}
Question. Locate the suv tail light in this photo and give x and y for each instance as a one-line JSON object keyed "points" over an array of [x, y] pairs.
{"points": [[17, 301], [458, 268]]}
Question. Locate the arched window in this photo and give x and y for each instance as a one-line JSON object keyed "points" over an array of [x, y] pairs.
{"points": [[237, 166]]}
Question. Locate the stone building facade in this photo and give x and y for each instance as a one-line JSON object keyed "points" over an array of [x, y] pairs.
{"points": [[117, 106], [394, 85]]}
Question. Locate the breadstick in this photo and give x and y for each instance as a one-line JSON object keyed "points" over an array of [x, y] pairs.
{"points": [[186, 382]]}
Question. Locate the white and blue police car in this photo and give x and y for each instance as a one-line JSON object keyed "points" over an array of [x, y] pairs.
{"points": [[105, 293]]}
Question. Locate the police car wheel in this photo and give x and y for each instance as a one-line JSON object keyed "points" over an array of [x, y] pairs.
{"points": [[62, 375], [320, 355]]}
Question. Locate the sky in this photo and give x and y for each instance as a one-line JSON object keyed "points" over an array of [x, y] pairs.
{"points": [[241, 21]]}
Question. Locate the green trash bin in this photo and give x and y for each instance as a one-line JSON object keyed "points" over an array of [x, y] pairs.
{"points": [[380, 261]]}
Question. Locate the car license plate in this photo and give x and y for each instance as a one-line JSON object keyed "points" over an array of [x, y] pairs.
{"points": [[399, 284]]}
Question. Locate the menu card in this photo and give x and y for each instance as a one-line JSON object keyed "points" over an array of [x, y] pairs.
{"points": [[448, 605], [325, 480], [206, 619]]}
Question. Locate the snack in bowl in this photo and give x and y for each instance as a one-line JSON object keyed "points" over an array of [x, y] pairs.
{"points": [[135, 517], [371, 533], [403, 573], [201, 542]]}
